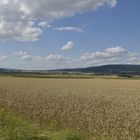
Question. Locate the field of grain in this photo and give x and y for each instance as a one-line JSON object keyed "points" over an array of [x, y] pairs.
{"points": [[105, 109]]}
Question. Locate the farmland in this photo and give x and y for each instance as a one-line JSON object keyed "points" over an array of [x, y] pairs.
{"points": [[103, 109]]}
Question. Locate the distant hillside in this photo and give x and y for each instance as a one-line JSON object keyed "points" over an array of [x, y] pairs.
{"points": [[105, 69], [2, 70]]}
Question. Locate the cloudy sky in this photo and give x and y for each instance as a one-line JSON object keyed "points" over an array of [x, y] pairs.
{"points": [[53, 34]]}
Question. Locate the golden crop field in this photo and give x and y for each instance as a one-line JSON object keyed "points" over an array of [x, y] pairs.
{"points": [[103, 108]]}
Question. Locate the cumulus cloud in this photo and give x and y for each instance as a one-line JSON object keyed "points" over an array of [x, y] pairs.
{"points": [[115, 50], [24, 20], [23, 55], [55, 57], [114, 55], [26, 57], [69, 28], [68, 46], [106, 54], [2, 58], [20, 53], [44, 24], [14, 24], [54, 9]]}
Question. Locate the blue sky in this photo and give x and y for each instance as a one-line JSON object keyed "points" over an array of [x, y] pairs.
{"points": [[55, 34]]}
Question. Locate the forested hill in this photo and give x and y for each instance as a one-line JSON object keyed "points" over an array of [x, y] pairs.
{"points": [[105, 69]]}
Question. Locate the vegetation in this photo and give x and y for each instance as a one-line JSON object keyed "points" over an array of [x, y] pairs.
{"points": [[131, 70], [103, 109], [13, 127], [49, 75]]}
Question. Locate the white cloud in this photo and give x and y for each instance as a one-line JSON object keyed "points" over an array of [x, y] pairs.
{"points": [[114, 55], [69, 28], [53, 57], [44, 25], [19, 18], [115, 50], [23, 55], [68, 46], [54, 9], [26, 57], [14, 23], [106, 54], [2, 58], [20, 53], [37, 58]]}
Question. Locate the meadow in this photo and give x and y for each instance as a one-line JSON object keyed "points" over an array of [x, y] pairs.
{"points": [[101, 109]]}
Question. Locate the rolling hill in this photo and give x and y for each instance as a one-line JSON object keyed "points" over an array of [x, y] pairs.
{"points": [[105, 69]]}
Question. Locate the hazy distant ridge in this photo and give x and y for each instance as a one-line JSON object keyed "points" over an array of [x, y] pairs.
{"points": [[105, 69]]}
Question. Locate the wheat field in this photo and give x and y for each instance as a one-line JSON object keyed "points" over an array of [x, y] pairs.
{"points": [[105, 109]]}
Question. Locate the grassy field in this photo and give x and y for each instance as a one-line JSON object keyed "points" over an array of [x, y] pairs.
{"points": [[14, 127], [69, 75], [103, 109]]}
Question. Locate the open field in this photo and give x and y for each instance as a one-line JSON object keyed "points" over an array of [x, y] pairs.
{"points": [[70, 76], [101, 108]]}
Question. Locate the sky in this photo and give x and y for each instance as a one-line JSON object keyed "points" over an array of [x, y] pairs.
{"points": [[55, 34]]}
